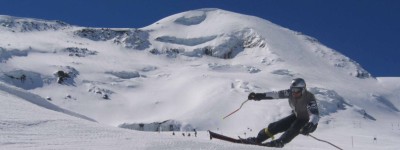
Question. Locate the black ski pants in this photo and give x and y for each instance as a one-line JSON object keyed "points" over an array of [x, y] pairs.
{"points": [[290, 125]]}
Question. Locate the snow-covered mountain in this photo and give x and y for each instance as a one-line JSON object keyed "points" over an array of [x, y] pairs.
{"points": [[183, 72]]}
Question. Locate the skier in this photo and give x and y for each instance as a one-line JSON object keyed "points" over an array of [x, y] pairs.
{"points": [[195, 132], [303, 120]]}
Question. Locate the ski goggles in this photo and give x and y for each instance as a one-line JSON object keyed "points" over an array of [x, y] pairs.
{"points": [[296, 89]]}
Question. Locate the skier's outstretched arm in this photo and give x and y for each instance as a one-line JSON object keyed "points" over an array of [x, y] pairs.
{"points": [[269, 95]]}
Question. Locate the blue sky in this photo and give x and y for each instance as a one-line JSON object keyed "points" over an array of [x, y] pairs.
{"points": [[367, 31]]}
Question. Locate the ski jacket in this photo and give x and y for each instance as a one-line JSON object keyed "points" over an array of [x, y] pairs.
{"points": [[305, 107]]}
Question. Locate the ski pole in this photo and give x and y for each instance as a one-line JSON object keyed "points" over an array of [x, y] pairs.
{"points": [[325, 142], [235, 110]]}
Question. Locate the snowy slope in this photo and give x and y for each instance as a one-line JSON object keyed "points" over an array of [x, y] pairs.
{"points": [[194, 68], [27, 126]]}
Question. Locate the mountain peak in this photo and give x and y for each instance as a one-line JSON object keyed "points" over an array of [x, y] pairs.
{"points": [[176, 68], [225, 34]]}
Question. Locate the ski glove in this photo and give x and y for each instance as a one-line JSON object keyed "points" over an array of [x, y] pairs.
{"points": [[308, 128], [256, 96]]}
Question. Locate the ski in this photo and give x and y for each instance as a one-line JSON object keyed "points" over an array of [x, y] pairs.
{"points": [[223, 137], [230, 139]]}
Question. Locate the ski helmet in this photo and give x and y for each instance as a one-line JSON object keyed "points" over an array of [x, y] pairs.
{"points": [[298, 83]]}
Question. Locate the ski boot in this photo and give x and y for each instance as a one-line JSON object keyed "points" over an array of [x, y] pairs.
{"points": [[275, 143], [250, 140]]}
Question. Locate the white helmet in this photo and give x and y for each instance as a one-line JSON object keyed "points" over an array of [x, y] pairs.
{"points": [[297, 85]]}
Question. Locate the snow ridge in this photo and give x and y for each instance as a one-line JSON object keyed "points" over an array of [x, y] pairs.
{"points": [[15, 24], [37, 100]]}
